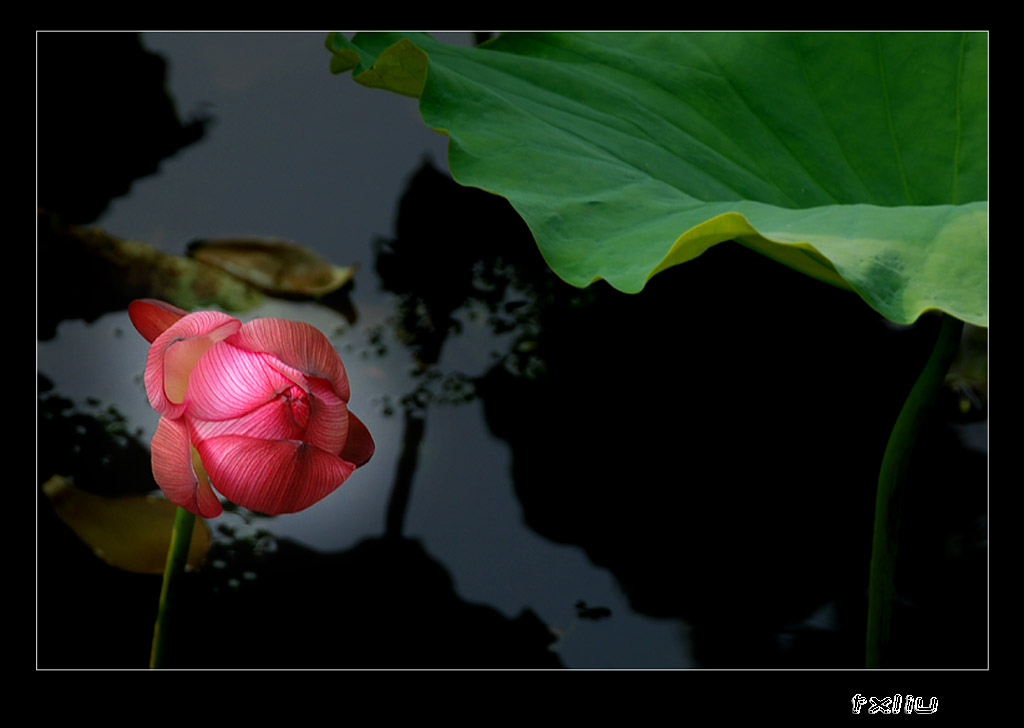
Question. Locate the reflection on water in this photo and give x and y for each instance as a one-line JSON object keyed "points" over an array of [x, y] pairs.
{"points": [[90, 114], [703, 453], [713, 442]]}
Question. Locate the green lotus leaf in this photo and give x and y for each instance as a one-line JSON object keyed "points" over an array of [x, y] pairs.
{"points": [[856, 158]]}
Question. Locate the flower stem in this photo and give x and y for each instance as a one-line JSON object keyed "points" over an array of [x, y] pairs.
{"points": [[177, 557], [895, 462]]}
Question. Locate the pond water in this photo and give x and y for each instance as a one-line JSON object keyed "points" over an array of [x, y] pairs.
{"points": [[694, 460]]}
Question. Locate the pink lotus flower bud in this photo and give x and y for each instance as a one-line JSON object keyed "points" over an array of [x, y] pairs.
{"points": [[257, 411]]}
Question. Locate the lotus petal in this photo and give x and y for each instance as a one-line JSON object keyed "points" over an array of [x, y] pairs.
{"points": [[298, 345], [272, 477], [152, 317], [359, 446], [174, 354], [229, 382], [179, 471]]}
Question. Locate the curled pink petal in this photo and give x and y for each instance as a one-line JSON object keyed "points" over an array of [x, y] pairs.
{"points": [[317, 418], [272, 476], [176, 351], [179, 472], [359, 445], [328, 425], [229, 382], [298, 345], [274, 420], [152, 317]]}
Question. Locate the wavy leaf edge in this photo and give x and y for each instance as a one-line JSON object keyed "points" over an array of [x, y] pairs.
{"points": [[392, 70]]}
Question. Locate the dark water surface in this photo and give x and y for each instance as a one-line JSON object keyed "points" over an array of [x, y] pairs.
{"points": [[683, 478]]}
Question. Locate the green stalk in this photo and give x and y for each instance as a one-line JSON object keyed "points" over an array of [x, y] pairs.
{"points": [[177, 557], [895, 463]]}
